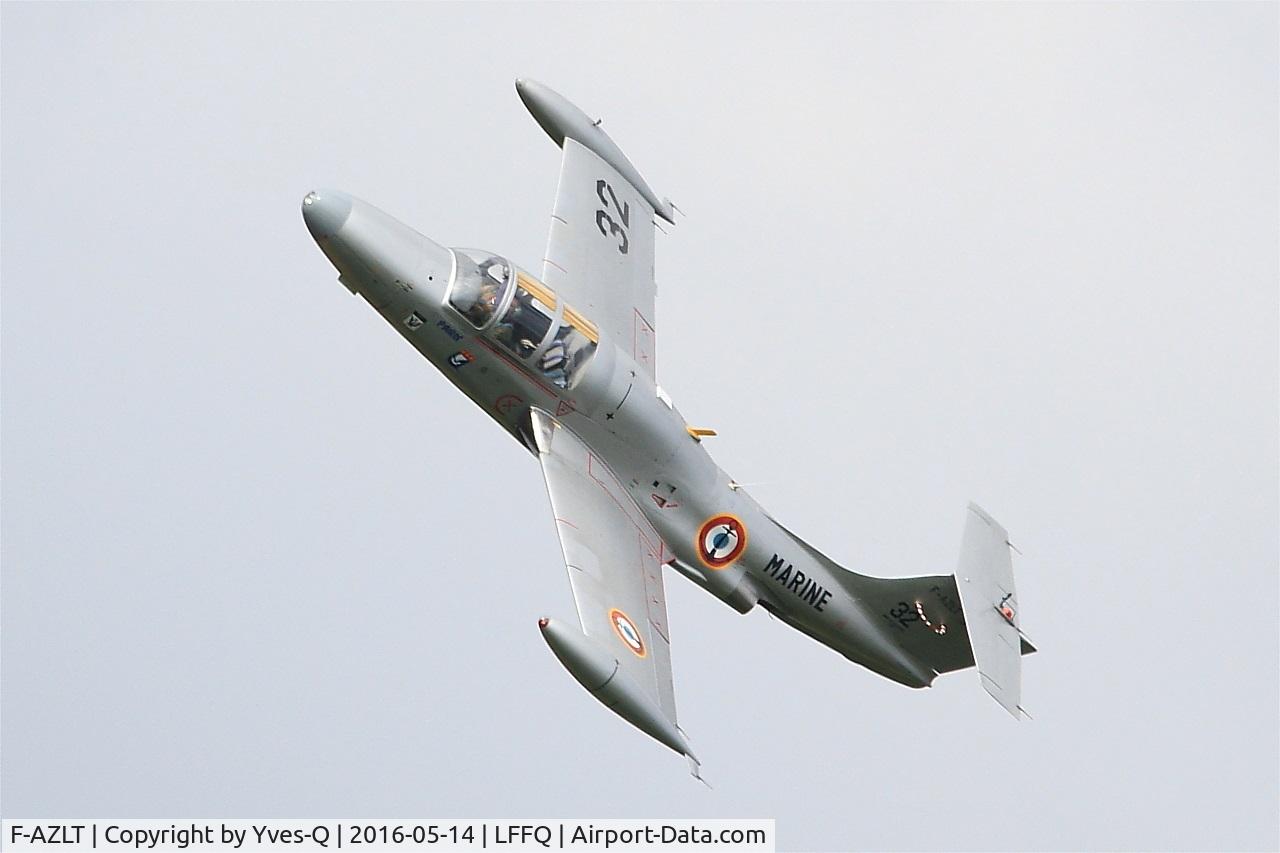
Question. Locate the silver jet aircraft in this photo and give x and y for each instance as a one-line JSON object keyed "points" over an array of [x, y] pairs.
{"points": [[565, 361]]}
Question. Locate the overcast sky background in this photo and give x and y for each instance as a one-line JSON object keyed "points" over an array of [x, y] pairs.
{"points": [[1024, 255]]}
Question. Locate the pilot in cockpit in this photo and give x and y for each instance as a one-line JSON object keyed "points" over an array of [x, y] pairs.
{"points": [[478, 289]]}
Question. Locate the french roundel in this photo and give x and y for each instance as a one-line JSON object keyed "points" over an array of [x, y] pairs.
{"points": [[721, 540], [627, 632]]}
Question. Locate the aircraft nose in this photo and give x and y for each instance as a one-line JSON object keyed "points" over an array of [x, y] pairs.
{"points": [[325, 211]]}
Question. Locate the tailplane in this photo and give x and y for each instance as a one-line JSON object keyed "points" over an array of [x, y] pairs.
{"points": [[984, 580], [953, 622]]}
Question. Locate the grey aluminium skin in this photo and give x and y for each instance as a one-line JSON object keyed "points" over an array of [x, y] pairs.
{"points": [[564, 361]]}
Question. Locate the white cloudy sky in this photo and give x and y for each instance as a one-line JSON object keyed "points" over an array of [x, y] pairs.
{"points": [[1025, 255]]}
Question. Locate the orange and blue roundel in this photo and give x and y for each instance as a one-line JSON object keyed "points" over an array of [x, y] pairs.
{"points": [[721, 540], [627, 632]]}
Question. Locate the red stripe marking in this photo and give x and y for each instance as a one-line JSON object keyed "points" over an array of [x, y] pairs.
{"points": [[519, 368]]}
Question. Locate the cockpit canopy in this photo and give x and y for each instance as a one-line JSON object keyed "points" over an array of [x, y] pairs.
{"points": [[550, 337]]}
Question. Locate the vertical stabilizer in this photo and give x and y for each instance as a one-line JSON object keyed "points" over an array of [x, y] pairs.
{"points": [[984, 579]]}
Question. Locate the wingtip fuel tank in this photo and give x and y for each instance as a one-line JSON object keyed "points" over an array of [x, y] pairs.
{"points": [[558, 116], [601, 674]]}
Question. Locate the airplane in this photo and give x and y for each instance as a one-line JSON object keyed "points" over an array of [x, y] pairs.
{"points": [[565, 361]]}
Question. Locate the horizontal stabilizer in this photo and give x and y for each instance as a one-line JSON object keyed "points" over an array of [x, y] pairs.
{"points": [[984, 579]]}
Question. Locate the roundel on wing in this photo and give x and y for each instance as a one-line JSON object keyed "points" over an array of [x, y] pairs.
{"points": [[627, 632], [721, 540]]}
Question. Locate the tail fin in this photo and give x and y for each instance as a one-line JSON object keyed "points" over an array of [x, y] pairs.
{"points": [[952, 622], [984, 580]]}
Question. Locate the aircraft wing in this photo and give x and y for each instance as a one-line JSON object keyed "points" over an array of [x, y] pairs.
{"points": [[600, 249], [614, 558]]}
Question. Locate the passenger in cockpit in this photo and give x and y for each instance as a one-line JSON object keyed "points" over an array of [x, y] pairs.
{"points": [[524, 324], [553, 364]]}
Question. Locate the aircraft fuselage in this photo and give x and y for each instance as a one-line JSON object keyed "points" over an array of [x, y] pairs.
{"points": [[701, 523]]}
